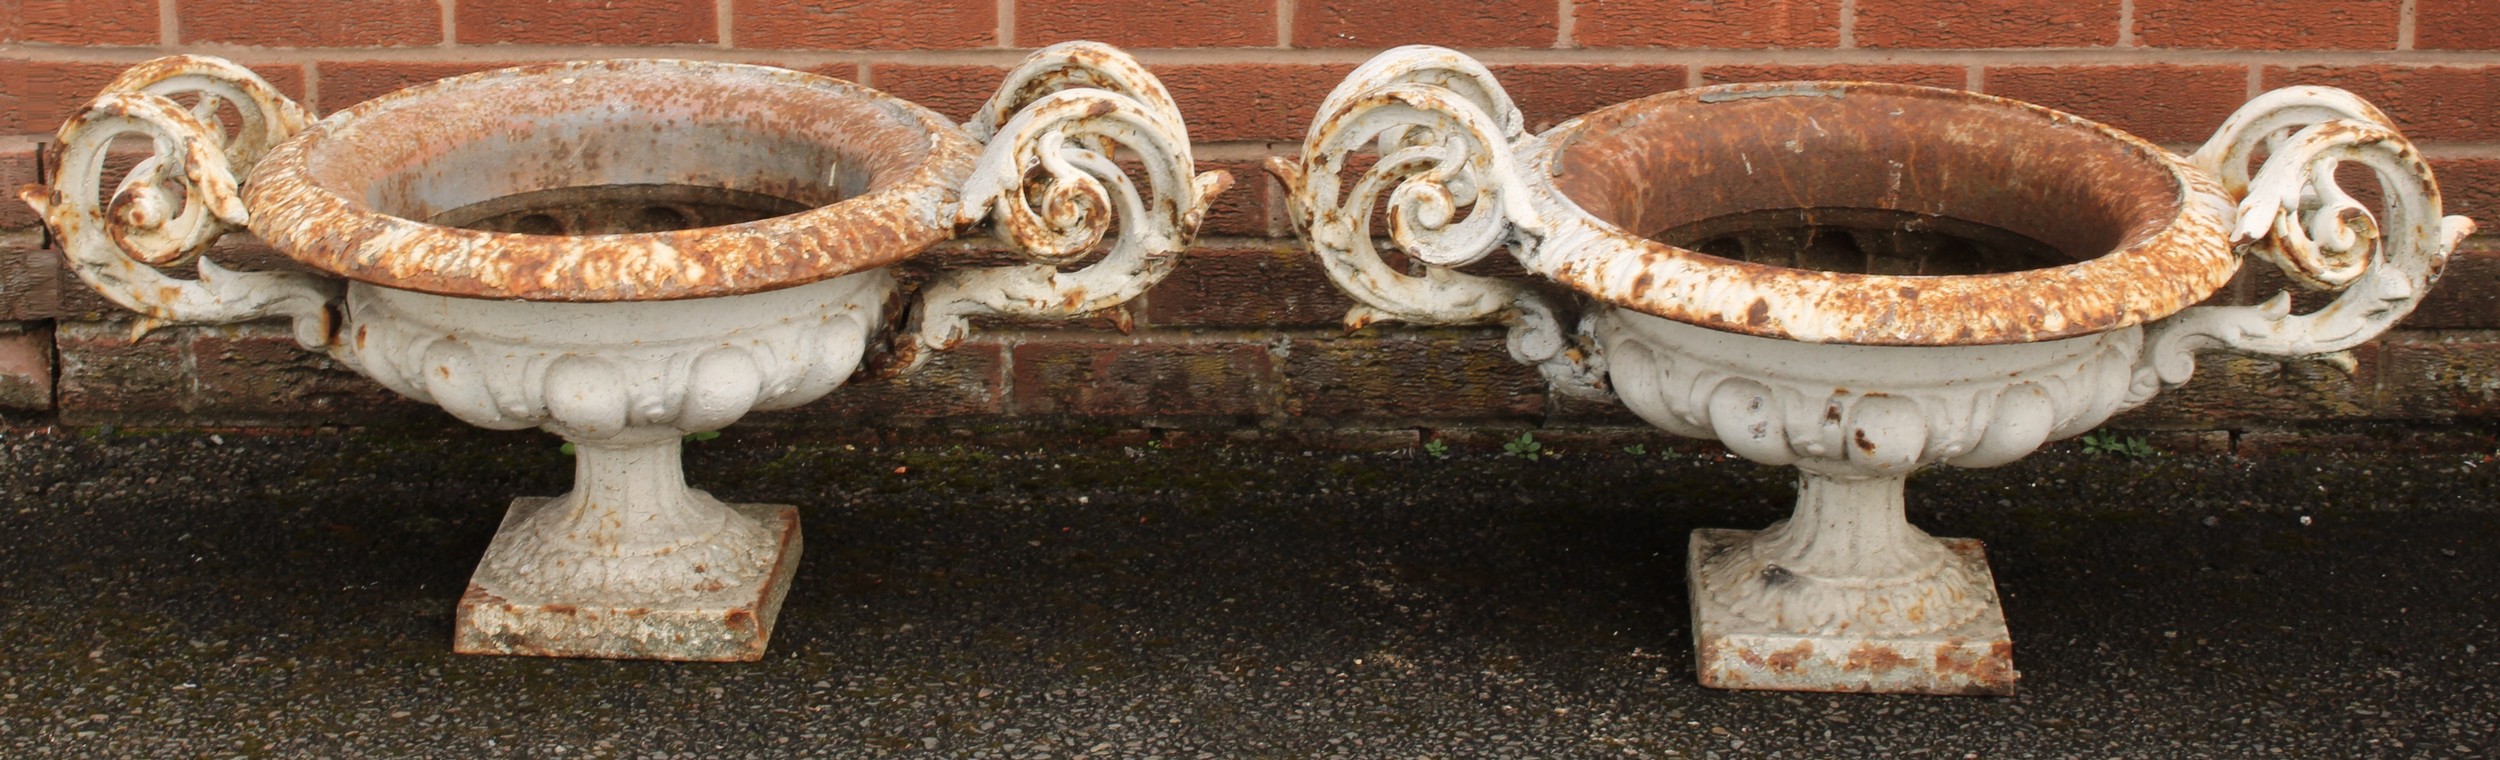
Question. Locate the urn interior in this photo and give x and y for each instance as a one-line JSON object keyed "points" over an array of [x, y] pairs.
{"points": [[672, 179], [1837, 197]]}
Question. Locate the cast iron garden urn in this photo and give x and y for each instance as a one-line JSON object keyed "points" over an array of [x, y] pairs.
{"points": [[625, 252], [1859, 280]]}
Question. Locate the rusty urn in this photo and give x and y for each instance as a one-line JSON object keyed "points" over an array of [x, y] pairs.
{"points": [[625, 253], [1858, 280]]}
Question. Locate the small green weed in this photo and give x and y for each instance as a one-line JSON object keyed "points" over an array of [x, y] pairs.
{"points": [[2101, 442], [1438, 448], [1524, 447]]}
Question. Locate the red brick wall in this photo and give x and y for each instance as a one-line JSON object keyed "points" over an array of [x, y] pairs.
{"points": [[1244, 336]]}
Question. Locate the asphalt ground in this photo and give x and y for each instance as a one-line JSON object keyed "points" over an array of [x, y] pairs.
{"points": [[182, 594]]}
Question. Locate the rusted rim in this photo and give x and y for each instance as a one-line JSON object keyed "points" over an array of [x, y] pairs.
{"points": [[2174, 249], [314, 197]]}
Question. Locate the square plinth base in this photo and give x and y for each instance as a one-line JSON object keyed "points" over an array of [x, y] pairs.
{"points": [[1731, 653], [729, 625]]}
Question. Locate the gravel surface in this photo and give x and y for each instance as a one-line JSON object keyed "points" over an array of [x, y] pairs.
{"points": [[188, 595]]}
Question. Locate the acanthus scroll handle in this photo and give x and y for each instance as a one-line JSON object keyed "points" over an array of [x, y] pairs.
{"points": [[179, 200], [2293, 213], [1444, 132], [1048, 186]]}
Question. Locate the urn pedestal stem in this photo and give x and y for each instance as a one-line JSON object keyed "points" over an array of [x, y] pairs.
{"points": [[630, 499], [1851, 530], [1847, 595], [631, 564]]}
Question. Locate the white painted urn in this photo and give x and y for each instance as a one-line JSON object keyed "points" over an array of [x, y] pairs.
{"points": [[624, 253], [1859, 280]]}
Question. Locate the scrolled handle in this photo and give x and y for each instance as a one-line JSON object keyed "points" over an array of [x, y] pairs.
{"points": [[1046, 185], [179, 200], [1444, 132], [2293, 213]]}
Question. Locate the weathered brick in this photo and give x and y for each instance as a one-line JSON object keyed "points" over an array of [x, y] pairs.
{"points": [[255, 374], [2229, 389], [2346, 437], [1549, 94], [2467, 295], [29, 281], [310, 23], [2443, 375], [1723, 24], [585, 22], [1123, 378], [17, 169], [54, 91], [83, 22], [2164, 104], [953, 91], [1931, 75], [2456, 24], [2204, 442], [1439, 374], [1250, 101], [1986, 23], [48, 93], [866, 24], [2266, 24], [25, 365], [1217, 101], [1566, 411], [2470, 186], [1269, 288], [1481, 24], [1243, 209], [1129, 24], [1240, 210], [964, 381], [106, 377], [346, 83], [2427, 102]]}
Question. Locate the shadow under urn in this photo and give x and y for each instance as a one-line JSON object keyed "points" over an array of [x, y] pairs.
{"points": [[1858, 280], [624, 253]]}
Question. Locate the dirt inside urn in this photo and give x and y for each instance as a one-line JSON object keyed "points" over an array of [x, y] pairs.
{"points": [[617, 209], [1865, 241]]}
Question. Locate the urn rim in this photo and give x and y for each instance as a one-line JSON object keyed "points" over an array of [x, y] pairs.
{"points": [[2164, 221], [878, 177]]}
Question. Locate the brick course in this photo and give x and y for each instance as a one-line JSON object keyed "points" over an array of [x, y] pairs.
{"points": [[311, 23], [866, 24], [2267, 25], [1987, 23], [1686, 24], [1245, 335], [1135, 25], [2164, 104], [1478, 23], [585, 22], [84, 22]]}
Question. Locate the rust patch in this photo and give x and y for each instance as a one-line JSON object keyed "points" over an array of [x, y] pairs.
{"points": [[739, 619], [559, 609], [1875, 659], [1789, 660], [1991, 673]]}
